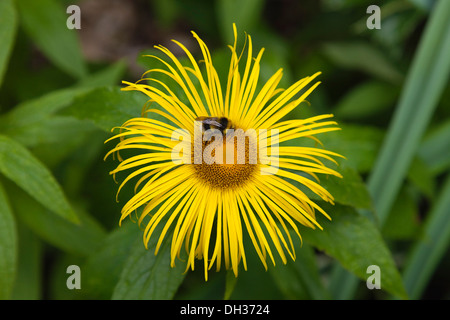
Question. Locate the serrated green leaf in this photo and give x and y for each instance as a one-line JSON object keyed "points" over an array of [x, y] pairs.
{"points": [[149, 276], [20, 166], [45, 23], [8, 247], [356, 243], [348, 190], [8, 26]]}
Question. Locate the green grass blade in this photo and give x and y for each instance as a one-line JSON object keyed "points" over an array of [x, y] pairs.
{"points": [[425, 83], [423, 87], [427, 253]]}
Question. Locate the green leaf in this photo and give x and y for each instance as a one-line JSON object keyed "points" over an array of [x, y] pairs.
{"points": [[356, 243], [255, 282], [19, 165], [359, 153], [56, 283], [348, 190], [103, 267], [28, 284], [358, 144], [8, 247], [149, 276], [403, 221], [108, 76], [435, 148], [79, 239], [50, 130], [420, 176], [366, 100], [34, 122], [300, 279], [35, 111], [45, 23], [364, 57], [8, 27], [107, 107]]}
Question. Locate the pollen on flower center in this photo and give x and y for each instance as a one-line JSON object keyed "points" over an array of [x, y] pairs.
{"points": [[233, 165]]}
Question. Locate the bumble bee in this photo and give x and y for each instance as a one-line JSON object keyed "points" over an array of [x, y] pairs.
{"points": [[219, 123]]}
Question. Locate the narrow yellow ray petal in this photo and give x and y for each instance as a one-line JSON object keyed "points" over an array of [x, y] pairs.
{"points": [[288, 124], [250, 198], [167, 201], [179, 231], [185, 193], [262, 98], [192, 92], [272, 113], [271, 226], [248, 225], [216, 256], [197, 228]]}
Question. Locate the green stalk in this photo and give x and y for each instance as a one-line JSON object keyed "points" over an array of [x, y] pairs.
{"points": [[427, 253], [424, 84]]}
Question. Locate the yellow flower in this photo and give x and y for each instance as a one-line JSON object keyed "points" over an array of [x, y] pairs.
{"points": [[210, 206]]}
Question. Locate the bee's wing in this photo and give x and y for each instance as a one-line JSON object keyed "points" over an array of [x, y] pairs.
{"points": [[214, 123], [210, 121]]}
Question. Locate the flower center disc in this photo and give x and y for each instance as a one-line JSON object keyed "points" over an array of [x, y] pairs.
{"points": [[226, 164]]}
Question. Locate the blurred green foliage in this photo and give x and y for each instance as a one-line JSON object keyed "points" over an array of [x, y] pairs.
{"points": [[60, 97]]}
